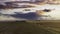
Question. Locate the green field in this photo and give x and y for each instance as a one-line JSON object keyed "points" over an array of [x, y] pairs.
{"points": [[30, 27]]}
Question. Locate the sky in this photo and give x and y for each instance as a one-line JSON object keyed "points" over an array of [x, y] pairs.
{"points": [[11, 0], [19, 0], [14, 0]]}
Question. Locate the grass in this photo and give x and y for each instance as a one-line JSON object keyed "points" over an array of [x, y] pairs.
{"points": [[30, 27]]}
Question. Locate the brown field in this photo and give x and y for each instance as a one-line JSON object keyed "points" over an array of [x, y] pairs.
{"points": [[30, 27]]}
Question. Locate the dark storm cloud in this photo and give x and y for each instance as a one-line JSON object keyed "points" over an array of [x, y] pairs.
{"points": [[29, 16]]}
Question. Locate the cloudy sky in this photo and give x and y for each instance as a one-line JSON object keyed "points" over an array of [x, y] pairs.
{"points": [[14, 0], [19, 0], [11, 0]]}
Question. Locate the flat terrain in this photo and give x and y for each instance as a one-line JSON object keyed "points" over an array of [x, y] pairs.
{"points": [[30, 27]]}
